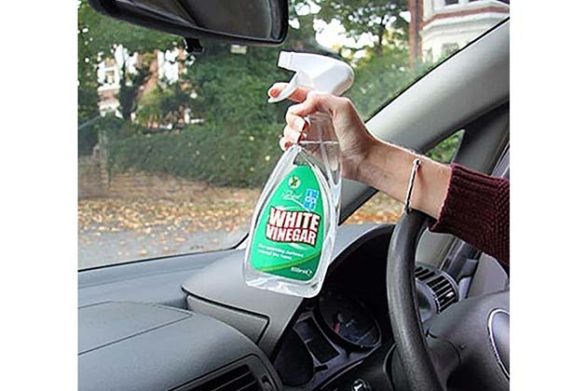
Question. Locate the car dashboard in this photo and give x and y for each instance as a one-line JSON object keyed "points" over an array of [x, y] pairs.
{"points": [[227, 334], [331, 334], [328, 335]]}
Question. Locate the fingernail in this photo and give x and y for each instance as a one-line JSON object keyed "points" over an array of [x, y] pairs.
{"points": [[273, 90]]}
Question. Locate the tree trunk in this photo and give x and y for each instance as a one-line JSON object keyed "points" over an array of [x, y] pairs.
{"points": [[380, 35], [124, 95], [416, 14]]}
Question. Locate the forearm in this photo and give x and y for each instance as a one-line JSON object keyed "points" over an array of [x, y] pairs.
{"points": [[387, 168]]}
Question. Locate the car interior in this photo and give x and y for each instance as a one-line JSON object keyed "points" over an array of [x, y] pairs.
{"points": [[402, 308]]}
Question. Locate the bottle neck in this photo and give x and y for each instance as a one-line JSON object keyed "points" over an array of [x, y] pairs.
{"points": [[320, 128]]}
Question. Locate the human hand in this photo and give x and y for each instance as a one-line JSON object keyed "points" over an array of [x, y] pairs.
{"points": [[354, 139]]}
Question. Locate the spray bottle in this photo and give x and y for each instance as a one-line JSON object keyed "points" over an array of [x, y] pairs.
{"points": [[294, 224]]}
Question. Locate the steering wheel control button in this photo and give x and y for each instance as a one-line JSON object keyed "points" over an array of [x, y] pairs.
{"points": [[360, 385], [499, 334], [266, 385]]}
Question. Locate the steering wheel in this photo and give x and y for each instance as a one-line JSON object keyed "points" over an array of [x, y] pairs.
{"points": [[467, 345]]}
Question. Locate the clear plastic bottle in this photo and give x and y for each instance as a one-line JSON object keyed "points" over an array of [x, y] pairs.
{"points": [[295, 221]]}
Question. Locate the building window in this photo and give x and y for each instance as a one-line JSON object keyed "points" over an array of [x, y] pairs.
{"points": [[110, 77], [448, 49], [451, 2], [429, 57]]}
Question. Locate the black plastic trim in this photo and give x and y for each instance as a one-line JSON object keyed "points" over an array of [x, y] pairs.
{"points": [[109, 8]]}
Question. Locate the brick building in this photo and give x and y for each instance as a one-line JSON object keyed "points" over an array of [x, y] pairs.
{"points": [[163, 66], [439, 27]]}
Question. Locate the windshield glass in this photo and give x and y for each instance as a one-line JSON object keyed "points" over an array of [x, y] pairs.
{"points": [[174, 150]]}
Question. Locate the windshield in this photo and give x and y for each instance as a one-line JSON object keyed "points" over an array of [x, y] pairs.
{"points": [[173, 150]]}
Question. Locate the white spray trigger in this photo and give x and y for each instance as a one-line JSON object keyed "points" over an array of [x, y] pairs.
{"points": [[314, 72], [287, 91]]}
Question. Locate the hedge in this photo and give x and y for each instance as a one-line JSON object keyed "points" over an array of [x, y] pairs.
{"points": [[211, 153], [224, 157]]}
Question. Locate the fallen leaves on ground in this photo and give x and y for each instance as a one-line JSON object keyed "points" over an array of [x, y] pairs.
{"points": [[213, 209], [379, 209], [120, 229]]}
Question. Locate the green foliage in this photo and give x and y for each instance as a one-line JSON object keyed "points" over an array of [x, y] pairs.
{"points": [[102, 33], [378, 78], [86, 70], [384, 69], [166, 104], [87, 101], [446, 150], [97, 36], [237, 143], [88, 132], [232, 89], [87, 137], [200, 153], [360, 17]]}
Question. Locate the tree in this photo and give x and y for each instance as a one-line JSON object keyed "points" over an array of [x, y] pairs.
{"points": [[130, 87], [98, 37], [380, 77], [416, 8], [166, 105], [104, 33], [360, 17], [86, 70], [231, 88]]}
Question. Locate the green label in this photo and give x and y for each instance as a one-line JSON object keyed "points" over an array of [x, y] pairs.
{"points": [[288, 239]]}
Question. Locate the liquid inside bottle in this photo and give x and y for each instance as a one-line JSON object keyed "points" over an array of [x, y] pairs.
{"points": [[295, 222]]}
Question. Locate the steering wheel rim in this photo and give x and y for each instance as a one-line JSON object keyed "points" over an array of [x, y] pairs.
{"points": [[402, 305]]}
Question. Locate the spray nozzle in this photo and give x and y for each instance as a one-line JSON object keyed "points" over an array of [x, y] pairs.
{"points": [[314, 72]]}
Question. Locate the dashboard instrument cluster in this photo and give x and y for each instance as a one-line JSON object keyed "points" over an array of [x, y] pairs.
{"points": [[334, 331]]}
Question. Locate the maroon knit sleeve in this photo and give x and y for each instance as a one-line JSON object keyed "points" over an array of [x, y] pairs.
{"points": [[477, 210]]}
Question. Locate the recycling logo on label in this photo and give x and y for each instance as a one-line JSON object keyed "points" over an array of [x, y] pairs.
{"points": [[310, 199]]}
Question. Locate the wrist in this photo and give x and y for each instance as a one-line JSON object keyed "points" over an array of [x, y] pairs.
{"points": [[371, 170], [387, 168]]}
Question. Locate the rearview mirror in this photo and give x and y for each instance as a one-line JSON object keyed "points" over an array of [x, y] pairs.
{"points": [[246, 22]]}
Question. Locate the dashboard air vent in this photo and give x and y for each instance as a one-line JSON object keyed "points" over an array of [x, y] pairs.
{"points": [[442, 286], [237, 379]]}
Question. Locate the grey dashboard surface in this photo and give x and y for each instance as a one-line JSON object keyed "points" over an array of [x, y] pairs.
{"points": [[134, 346], [160, 280], [107, 323], [212, 285], [219, 290], [152, 281]]}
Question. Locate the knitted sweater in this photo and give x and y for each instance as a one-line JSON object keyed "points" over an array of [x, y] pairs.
{"points": [[477, 210]]}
